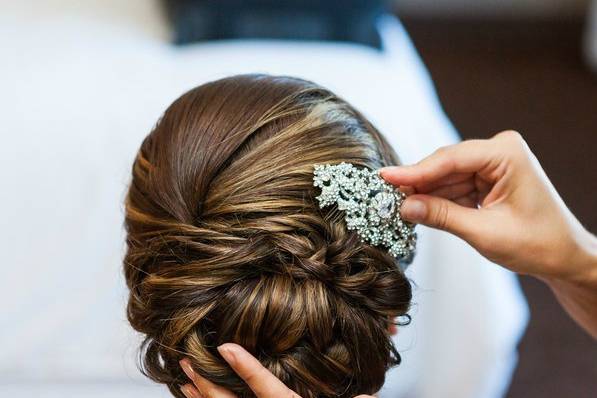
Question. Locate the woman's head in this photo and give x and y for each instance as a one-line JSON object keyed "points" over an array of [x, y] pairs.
{"points": [[226, 242]]}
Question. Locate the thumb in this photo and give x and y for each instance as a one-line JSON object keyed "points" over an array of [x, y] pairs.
{"points": [[441, 214]]}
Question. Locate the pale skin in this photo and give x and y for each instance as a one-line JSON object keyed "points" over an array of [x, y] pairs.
{"points": [[494, 195]]}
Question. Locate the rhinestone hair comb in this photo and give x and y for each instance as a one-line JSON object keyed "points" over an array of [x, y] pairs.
{"points": [[371, 206]]}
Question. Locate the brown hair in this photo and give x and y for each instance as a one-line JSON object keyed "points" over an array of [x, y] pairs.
{"points": [[226, 242]]}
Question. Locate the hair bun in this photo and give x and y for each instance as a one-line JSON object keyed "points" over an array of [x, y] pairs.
{"points": [[225, 242]]}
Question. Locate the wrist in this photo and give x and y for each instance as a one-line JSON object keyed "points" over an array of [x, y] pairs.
{"points": [[578, 293], [581, 264], [591, 250]]}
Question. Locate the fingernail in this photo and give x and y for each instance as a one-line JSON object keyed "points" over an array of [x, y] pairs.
{"points": [[413, 210], [392, 172], [227, 352], [385, 169], [187, 369], [188, 392]]}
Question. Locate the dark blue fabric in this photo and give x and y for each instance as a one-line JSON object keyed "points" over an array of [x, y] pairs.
{"points": [[345, 20]]}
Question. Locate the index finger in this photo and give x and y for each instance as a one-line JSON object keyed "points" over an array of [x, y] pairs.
{"points": [[260, 380], [202, 387], [466, 157]]}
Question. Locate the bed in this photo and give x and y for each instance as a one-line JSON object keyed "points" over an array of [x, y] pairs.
{"points": [[83, 83]]}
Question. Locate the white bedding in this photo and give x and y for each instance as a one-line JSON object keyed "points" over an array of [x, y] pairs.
{"points": [[82, 84]]}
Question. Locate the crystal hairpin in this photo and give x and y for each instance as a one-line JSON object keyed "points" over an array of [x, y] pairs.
{"points": [[371, 206]]}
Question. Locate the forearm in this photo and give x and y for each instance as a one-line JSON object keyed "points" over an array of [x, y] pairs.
{"points": [[578, 296]]}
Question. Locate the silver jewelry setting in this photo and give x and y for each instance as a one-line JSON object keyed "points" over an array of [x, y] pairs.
{"points": [[371, 206]]}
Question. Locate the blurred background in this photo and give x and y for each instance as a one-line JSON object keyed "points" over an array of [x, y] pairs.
{"points": [[83, 82], [529, 65]]}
